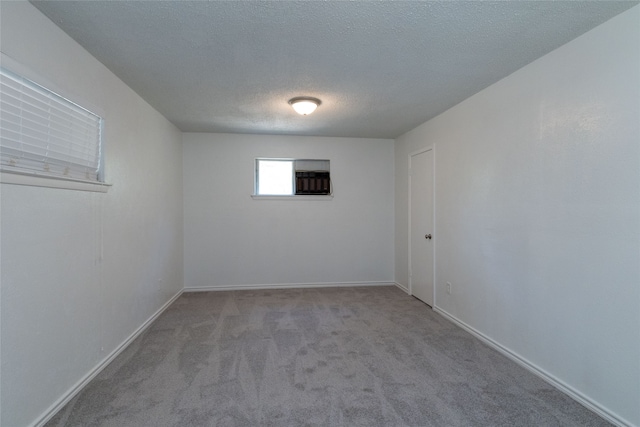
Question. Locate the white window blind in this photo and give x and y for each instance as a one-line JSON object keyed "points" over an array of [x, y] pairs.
{"points": [[42, 133]]}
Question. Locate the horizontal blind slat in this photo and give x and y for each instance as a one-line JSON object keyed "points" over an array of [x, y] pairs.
{"points": [[36, 91], [45, 133], [57, 128], [53, 135], [34, 152], [43, 110]]}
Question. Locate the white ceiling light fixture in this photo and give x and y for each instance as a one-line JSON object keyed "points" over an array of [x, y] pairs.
{"points": [[304, 105]]}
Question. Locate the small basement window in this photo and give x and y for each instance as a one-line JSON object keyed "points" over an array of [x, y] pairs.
{"points": [[292, 177]]}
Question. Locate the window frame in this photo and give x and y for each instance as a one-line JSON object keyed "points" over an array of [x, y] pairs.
{"points": [[26, 177], [256, 185]]}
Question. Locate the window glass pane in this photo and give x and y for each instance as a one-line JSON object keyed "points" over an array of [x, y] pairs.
{"points": [[275, 177]]}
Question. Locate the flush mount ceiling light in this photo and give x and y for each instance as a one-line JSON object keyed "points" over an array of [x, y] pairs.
{"points": [[304, 105]]}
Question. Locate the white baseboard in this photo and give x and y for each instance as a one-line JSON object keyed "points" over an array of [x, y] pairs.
{"points": [[285, 286], [555, 382], [403, 288], [77, 387]]}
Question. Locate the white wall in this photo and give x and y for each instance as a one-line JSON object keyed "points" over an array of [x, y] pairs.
{"points": [[234, 240], [63, 309], [538, 213]]}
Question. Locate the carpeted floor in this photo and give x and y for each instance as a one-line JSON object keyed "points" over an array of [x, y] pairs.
{"points": [[365, 356]]}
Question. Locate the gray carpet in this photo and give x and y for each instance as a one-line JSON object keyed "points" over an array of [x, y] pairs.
{"points": [[365, 356]]}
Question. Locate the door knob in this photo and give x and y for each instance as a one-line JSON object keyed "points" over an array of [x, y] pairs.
{"points": [[427, 236]]}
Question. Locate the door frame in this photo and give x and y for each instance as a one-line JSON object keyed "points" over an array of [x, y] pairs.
{"points": [[431, 148]]}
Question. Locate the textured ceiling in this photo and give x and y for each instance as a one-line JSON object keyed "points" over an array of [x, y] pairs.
{"points": [[380, 68]]}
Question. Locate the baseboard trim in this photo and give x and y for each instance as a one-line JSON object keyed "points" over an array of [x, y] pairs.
{"points": [[555, 382], [403, 288], [285, 286], [77, 387]]}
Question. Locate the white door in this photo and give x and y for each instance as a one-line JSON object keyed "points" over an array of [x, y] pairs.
{"points": [[421, 238]]}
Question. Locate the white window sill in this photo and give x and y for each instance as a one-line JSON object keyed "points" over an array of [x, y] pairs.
{"points": [[293, 197], [49, 182]]}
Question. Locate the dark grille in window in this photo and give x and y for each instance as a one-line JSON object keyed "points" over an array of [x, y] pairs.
{"points": [[313, 182]]}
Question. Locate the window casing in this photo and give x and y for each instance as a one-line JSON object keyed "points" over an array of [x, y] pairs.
{"points": [[292, 177], [43, 134]]}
